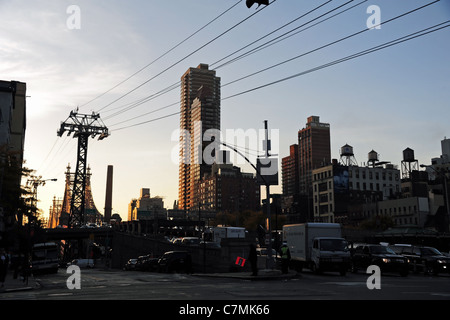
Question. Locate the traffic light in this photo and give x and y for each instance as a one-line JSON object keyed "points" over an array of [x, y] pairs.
{"points": [[249, 3]]}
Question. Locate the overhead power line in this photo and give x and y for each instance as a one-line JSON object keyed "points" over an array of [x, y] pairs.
{"points": [[303, 54], [141, 101], [272, 32], [385, 45], [185, 57], [329, 44], [161, 56], [350, 57], [289, 33]]}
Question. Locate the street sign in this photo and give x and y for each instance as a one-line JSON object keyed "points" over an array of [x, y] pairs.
{"points": [[268, 171]]}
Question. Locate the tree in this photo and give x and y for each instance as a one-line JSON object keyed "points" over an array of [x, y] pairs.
{"points": [[15, 200]]}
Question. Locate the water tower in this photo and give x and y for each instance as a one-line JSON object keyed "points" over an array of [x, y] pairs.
{"points": [[373, 158], [409, 164], [347, 156]]}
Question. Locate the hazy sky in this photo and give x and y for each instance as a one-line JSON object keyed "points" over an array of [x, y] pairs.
{"points": [[71, 52]]}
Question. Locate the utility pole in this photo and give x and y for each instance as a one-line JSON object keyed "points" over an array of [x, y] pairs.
{"points": [[267, 147], [267, 176], [83, 126]]}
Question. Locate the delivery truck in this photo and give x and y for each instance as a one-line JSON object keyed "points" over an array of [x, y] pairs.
{"points": [[317, 246], [220, 233]]}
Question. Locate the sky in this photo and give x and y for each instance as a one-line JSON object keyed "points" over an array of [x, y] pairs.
{"points": [[103, 55]]}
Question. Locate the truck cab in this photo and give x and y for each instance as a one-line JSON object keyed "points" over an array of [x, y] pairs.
{"points": [[330, 254], [317, 246]]}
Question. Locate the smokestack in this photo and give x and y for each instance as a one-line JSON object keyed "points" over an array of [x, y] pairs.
{"points": [[108, 197]]}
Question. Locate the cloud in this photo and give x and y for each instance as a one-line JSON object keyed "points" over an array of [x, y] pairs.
{"points": [[71, 65]]}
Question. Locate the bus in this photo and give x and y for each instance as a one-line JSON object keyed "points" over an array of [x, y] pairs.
{"points": [[45, 257]]}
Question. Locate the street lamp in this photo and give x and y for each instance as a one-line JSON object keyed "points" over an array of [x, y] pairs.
{"points": [[442, 174]]}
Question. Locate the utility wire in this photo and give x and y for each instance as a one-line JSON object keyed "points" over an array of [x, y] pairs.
{"points": [[187, 56], [286, 33], [304, 54], [385, 45], [272, 32], [161, 56], [143, 100], [329, 44], [359, 54], [286, 36], [176, 85]]}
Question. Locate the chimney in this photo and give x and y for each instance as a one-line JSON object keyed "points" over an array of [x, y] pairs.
{"points": [[108, 197]]}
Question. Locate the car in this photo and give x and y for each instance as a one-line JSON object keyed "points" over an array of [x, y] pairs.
{"points": [[429, 260], [175, 261], [130, 265], [146, 263], [209, 244], [382, 256], [190, 241], [83, 263], [177, 240]]}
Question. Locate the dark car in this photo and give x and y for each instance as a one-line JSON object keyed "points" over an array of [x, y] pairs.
{"points": [[382, 256], [130, 265], [425, 259], [147, 263], [175, 261]]}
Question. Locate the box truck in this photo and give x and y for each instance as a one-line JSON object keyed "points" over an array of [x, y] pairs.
{"points": [[317, 246], [220, 233]]}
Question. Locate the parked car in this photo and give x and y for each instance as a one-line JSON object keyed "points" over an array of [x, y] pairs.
{"points": [[130, 265], [382, 256], [83, 263], [190, 241], [210, 244], [147, 263], [177, 240], [425, 259], [175, 261]]}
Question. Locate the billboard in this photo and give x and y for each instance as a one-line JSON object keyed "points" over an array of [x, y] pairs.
{"points": [[340, 179]]}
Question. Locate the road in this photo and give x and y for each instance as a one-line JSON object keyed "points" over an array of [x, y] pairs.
{"points": [[98, 284]]}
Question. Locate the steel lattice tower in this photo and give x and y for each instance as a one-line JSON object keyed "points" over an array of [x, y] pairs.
{"points": [[83, 126]]}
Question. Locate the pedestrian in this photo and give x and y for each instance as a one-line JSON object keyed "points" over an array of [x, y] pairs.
{"points": [[253, 259], [4, 262], [285, 258]]}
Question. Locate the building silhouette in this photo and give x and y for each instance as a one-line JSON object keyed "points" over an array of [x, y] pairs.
{"points": [[146, 207], [12, 140], [199, 112], [314, 149]]}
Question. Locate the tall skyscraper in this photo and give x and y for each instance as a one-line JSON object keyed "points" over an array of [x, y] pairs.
{"points": [[314, 148], [289, 172], [200, 111]]}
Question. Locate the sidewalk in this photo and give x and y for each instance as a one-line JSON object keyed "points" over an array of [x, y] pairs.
{"points": [[18, 284]]}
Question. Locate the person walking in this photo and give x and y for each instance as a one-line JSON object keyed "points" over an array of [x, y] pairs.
{"points": [[285, 258]]}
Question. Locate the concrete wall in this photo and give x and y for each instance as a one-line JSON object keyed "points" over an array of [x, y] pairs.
{"points": [[126, 246]]}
